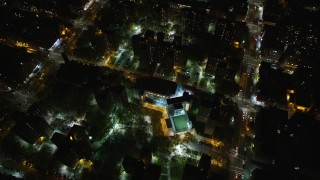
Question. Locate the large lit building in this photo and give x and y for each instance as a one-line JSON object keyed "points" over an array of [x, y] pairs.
{"points": [[177, 110], [155, 90], [170, 97]]}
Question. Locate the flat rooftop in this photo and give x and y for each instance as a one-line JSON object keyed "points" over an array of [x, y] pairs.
{"points": [[157, 85]]}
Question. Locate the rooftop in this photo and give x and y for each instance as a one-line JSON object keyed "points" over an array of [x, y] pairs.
{"points": [[186, 97], [157, 85]]}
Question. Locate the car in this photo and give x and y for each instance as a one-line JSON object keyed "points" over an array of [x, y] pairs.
{"points": [[36, 70]]}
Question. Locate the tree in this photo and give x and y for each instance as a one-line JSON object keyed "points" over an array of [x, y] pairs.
{"points": [[228, 88], [189, 137], [99, 123], [161, 145]]}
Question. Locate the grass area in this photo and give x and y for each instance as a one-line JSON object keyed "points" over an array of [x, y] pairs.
{"points": [[177, 166], [180, 123]]}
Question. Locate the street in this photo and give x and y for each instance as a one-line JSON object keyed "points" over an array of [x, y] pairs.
{"points": [[239, 156]]}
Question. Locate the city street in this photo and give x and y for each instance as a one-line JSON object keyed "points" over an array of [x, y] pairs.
{"points": [[240, 155], [120, 60]]}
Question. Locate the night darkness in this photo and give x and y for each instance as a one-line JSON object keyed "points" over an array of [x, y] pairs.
{"points": [[160, 89]]}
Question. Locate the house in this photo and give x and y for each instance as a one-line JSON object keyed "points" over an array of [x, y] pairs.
{"points": [[73, 148], [177, 111], [32, 128]]}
